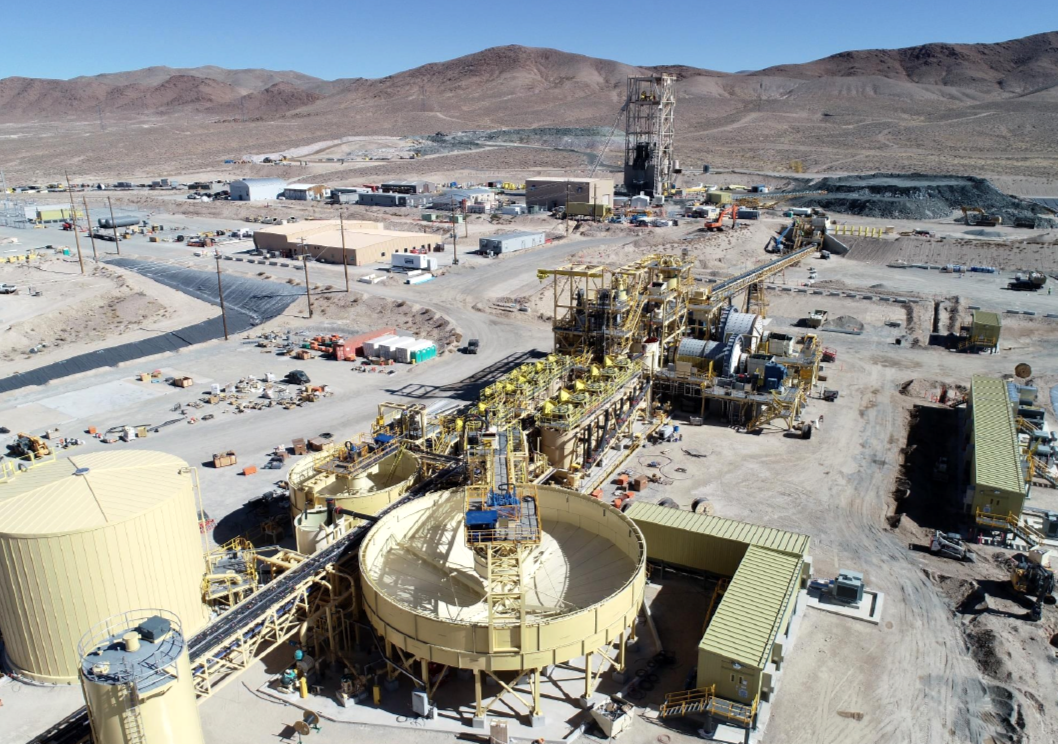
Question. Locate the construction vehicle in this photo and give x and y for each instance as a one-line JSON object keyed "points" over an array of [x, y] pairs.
{"points": [[816, 318], [980, 217], [718, 224], [1030, 578], [28, 445], [950, 545], [1031, 282], [473, 345]]}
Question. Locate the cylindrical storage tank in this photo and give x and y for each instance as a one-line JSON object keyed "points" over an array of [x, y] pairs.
{"points": [[559, 446], [90, 536], [317, 528], [109, 224], [137, 681]]}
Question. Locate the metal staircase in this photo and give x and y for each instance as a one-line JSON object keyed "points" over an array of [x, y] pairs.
{"points": [[1013, 524], [705, 702]]}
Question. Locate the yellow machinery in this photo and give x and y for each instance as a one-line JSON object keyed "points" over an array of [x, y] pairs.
{"points": [[29, 446]]}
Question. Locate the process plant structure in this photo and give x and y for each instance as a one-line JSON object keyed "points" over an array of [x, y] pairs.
{"points": [[650, 134], [445, 530]]}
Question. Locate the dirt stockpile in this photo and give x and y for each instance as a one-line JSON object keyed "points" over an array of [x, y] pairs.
{"points": [[915, 196]]}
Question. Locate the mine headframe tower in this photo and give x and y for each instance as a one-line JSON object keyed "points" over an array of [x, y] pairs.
{"points": [[650, 165]]}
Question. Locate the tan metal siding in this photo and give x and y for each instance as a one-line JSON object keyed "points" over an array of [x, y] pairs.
{"points": [[55, 586]]}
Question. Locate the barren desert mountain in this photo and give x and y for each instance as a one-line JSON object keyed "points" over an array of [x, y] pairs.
{"points": [[274, 100], [1010, 67], [527, 86], [248, 80]]}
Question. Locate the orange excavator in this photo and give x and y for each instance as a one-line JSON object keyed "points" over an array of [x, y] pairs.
{"points": [[731, 210]]}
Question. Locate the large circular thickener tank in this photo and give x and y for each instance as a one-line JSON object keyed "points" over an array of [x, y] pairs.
{"points": [[90, 536], [137, 681], [583, 583]]}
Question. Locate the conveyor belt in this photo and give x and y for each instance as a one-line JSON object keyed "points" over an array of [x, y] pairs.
{"points": [[75, 728]]}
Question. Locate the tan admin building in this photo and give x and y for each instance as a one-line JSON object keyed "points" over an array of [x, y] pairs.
{"points": [[365, 242], [549, 193]]}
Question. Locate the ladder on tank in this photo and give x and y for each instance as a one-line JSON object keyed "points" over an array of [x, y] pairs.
{"points": [[131, 718]]}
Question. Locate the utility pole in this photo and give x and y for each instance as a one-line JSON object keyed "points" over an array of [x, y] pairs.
{"points": [[220, 292], [73, 223], [114, 224], [308, 287], [455, 251], [91, 233], [345, 256], [566, 208]]}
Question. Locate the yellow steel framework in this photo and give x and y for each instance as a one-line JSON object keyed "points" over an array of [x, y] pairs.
{"points": [[590, 393], [1010, 523], [704, 700], [502, 526], [231, 573], [599, 311]]}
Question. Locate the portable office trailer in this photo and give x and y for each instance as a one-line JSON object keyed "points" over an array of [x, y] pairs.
{"points": [[414, 261], [510, 242]]}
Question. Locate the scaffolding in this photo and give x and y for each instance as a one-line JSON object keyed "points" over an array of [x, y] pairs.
{"points": [[17, 213], [650, 135]]}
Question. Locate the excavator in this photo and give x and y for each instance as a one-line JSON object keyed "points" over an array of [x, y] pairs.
{"points": [[1033, 580], [731, 210], [28, 445], [981, 217]]}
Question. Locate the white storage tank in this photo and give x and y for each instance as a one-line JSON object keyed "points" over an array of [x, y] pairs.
{"points": [[137, 681], [90, 536]]}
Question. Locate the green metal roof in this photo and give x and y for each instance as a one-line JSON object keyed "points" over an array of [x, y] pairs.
{"points": [[728, 529], [747, 621], [997, 456], [987, 318]]}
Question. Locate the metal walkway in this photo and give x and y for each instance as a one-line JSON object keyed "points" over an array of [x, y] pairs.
{"points": [[251, 616]]}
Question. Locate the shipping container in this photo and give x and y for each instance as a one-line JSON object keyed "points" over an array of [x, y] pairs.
{"points": [[510, 242]]}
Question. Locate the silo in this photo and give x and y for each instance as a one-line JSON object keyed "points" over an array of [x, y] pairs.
{"points": [[90, 536], [137, 681]]}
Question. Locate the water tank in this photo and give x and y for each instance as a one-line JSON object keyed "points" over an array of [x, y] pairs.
{"points": [[110, 223], [137, 680], [90, 536]]}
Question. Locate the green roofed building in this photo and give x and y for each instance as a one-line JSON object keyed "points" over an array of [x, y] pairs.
{"points": [[743, 645], [998, 467]]}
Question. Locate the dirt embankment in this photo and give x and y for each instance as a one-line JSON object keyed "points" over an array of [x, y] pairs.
{"points": [[365, 312], [58, 312]]}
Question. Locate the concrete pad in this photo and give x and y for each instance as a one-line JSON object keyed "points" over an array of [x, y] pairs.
{"points": [[869, 610], [33, 417], [105, 397]]}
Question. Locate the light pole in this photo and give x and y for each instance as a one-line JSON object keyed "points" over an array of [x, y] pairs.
{"points": [[308, 286], [220, 292]]}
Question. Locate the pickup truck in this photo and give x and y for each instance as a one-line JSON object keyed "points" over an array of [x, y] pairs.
{"points": [[473, 345], [8, 289]]}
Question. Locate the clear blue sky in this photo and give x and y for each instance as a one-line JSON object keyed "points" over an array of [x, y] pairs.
{"points": [[335, 38]]}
